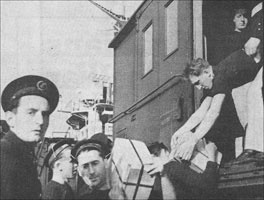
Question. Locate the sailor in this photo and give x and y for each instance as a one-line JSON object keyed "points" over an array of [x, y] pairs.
{"points": [[178, 179], [91, 158], [59, 160], [215, 119], [27, 101]]}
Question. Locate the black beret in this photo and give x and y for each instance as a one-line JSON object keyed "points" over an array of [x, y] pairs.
{"points": [[56, 150], [97, 142], [30, 85], [105, 140]]}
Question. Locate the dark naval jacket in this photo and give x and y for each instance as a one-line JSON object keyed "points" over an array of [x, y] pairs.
{"points": [[18, 173]]}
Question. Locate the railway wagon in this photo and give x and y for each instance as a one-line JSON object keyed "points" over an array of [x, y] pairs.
{"points": [[151, 98]]}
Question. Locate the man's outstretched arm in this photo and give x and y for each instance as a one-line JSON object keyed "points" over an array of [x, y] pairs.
{"points": [[193, 121], [186, 149]]}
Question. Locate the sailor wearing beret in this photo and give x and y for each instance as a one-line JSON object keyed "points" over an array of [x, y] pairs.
{"points": [[59, 160], [91, 158], [27, 102]]}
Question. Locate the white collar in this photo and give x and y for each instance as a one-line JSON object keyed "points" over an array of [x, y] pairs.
{"points": [[257, 8]]}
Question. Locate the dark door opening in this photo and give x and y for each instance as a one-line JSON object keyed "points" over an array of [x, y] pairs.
{"points": [[218, 22]]}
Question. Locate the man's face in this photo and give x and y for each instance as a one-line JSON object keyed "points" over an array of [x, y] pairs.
{"points": [[31, 118], [92, 166], [240, 21], [204, 81]]}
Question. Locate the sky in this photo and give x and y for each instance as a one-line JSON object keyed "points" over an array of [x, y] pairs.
{"points": [[65, 41]]}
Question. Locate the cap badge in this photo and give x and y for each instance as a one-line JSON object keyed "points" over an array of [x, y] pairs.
{"points": [[41, 85]]}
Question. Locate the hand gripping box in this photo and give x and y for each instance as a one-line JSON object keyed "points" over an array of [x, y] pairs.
{"points": [[130, 159]]}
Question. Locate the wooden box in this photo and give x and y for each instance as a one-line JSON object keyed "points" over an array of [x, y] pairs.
{"points": [[130, 160]]}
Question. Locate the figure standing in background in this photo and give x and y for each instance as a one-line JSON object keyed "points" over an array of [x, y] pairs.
{"points": [[59, 160], [236, 39]]}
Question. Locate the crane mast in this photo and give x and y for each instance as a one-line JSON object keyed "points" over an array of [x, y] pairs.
{"points": [[120, 19]]}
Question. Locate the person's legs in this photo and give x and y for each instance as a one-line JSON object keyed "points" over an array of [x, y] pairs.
{"points": [[254, 132], [239, 95]]}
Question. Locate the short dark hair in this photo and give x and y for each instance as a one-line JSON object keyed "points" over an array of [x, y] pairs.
{"points": [[240, 10], [195, 67], [156, 147]]}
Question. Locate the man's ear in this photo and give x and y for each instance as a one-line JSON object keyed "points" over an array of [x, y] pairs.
{"points": [[57, 164], [10, 118]]}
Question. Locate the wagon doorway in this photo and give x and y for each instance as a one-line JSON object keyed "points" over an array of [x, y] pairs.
{"points": [[218, 24]]}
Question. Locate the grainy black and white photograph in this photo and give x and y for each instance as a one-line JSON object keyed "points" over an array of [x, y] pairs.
{"points": [[132, 99]]}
